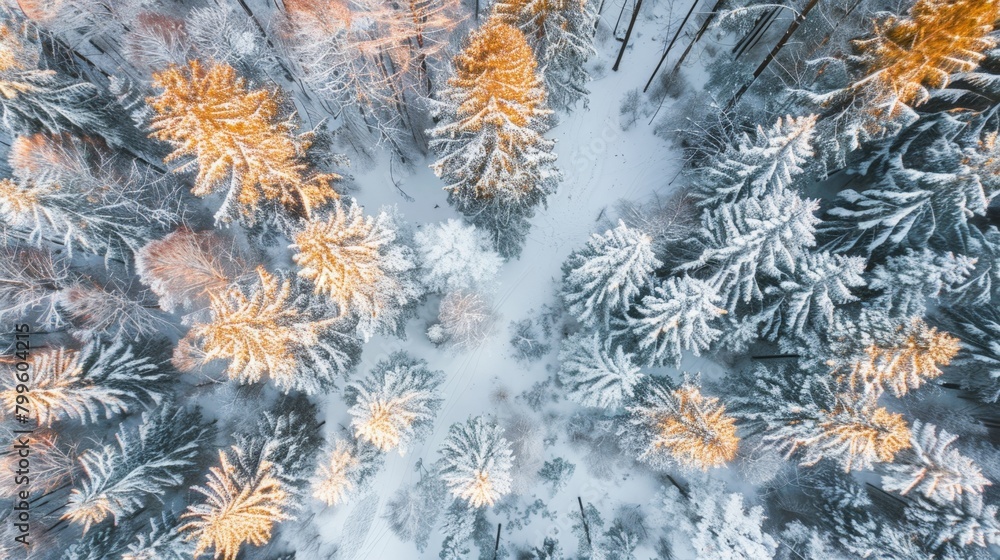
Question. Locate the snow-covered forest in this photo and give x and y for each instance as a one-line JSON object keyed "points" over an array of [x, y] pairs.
{"points": [[487, 279]]}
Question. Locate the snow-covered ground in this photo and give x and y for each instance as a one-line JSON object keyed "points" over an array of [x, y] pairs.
{"points": [[601, 164]]}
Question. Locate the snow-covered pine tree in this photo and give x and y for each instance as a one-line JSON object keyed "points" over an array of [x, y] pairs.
{"points": [[264, 332], [763, 399], [467, 319], [344, 468], [240, 506], [607, 276], [906, 207], [413, 511], [807, 298], [395, 405], [476, 462], [185, 268], [902, 359], [456, 256], [31, 281], [161, 541], [855, 433], [948, 529], [496, 165], [724, 528], [359, 263], [758, 166], [457, 527], [289, 438], [71, 192], [932, 468], [680, 426], [146, 461], [96, 382], [675, 317], [902, 60], [237, 139], [907, 281], [979, 333], [752, 240], [594, 374], [561, 34], [42, 100], [845, 508]]}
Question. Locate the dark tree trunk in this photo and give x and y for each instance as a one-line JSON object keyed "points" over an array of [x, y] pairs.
{"points": [[774, 52], [671, 45], [628, 33]]}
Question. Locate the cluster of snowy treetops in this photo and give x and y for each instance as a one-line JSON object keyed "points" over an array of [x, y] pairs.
{"points": [[177, 228]]}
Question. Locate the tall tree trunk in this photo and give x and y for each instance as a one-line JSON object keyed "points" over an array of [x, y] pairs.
{"points": [[774, 52], [628, 33], [708, 21], [671, 45]]}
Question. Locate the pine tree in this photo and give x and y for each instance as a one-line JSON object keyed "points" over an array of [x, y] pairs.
{"points": [[75, 193], [476, 462], [264, 333], [41, 100], [677, 316], [932, 468], [467, 319], [31, 281], [726, 529], [905, 359], [755, 167], [855, 433], [358, 263], [766, 399], [396, 404], [906, 56], [909, 280], [413, 511], [862, 530], [491, 117], [184, 269], [456, 256], [907, 207], [754, 239], [240, 506], [288, 436], [237, 140], [594, 374], [957, 524], [148, 460], [162, 541], [681, 426], [345, 467], [806, 301], [604, 278], [560, 32], [979, 333], [90, 384]]}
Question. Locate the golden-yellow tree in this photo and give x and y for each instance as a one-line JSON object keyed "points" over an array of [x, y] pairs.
{"points": [[241, 506], [260, 334], [237, 139], [907, 56], [352, 259], [685, 427], [909, 361], [856, 433], [491, 119]]}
